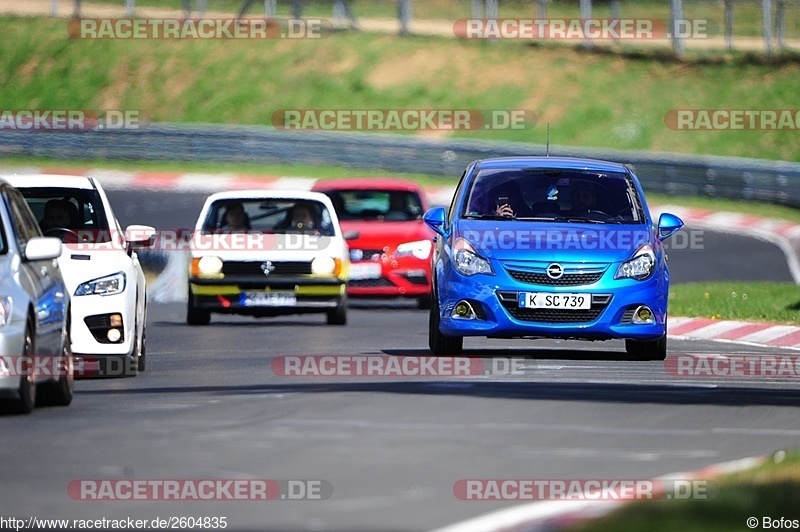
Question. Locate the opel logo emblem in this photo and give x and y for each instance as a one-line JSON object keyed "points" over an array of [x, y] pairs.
{"points": [[267, 267], [555, 271]]}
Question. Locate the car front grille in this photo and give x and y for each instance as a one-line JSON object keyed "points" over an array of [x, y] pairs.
{"points": [[568, 279], [246, 268], [543, 315], [381, 282]]}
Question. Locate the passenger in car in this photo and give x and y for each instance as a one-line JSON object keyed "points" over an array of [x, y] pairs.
{"points": [[235, 218]]}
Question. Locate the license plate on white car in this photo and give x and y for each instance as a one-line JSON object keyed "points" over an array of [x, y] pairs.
{"points": [[557, 301], [269, 299], [367, 270]]}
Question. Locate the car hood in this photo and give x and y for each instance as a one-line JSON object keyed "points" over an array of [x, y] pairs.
{"points": [[84, 262], [376, 235], [552, 241]]}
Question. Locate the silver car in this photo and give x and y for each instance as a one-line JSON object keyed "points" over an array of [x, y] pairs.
{"points": [[36, 364]]}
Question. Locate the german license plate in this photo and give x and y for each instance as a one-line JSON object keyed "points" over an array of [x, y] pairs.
{"points": [[366, 270], [557, 301], [269, 299]]}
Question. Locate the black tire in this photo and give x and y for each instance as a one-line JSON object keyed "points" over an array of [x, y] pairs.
{"points": [[27, 384], [652, 350], [142, 360], [440, 344], [194, 315], [338, 316], [424, 302], [61, 392]]}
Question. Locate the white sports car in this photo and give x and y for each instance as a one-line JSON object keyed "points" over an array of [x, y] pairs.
{"points": [[100, 268]]}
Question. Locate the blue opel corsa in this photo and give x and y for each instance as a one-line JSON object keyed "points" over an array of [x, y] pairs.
{"points": [[550, 247]]}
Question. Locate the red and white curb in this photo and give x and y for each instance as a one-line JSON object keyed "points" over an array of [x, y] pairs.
{"points": [[550, 515], [740, 332]]}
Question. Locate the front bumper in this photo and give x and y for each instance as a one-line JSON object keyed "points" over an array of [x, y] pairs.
{"points": [[310, 294], [498, 315], [403, 277]]}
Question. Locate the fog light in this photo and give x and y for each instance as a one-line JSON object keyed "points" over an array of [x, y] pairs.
{"points": [[115, 320], [114, 335], [643, 316], [463, 311]]}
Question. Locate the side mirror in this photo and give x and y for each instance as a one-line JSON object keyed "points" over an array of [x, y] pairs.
{"points": [[435, 220], [668, 225], [351, 235], [43, 248], [140, 236]]}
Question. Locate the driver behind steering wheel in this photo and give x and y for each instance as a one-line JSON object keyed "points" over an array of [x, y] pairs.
{"points": [[584, 199], [56, 215]]}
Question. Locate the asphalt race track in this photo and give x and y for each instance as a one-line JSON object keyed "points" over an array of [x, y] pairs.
{"points": [[210, 406]]}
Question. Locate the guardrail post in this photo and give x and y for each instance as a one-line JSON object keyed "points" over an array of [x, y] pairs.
{"points": [[297, 9], [477, 9], [54, 8], [766, 15], [729, 24], [76, 9], [586, 13], [404, 14], [270, 8], [541, 9], [780, 23], [491, 8], [129, 8], [187, 8], [201, 8], [616, 12], [676, 25]]}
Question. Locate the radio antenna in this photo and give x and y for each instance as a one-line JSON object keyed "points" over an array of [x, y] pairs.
{"points": [[547, 150]]}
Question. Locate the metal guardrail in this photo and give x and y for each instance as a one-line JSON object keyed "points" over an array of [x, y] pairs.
{"points": [[674, 174]]}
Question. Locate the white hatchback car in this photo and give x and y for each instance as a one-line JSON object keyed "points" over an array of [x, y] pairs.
{"points": [[267, 253], [100, 268]]}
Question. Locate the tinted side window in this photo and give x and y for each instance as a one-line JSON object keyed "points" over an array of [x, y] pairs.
{"points": [[20, 218]]}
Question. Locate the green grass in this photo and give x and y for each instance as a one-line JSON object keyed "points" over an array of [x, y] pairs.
{"points": [[771, 489], [590, 99], [745, 301]]}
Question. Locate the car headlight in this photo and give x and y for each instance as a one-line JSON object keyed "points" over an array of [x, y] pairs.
{"points": [[640, 266], [104, 286], [326, 266], [467, 261], [5, 310], [209, 266], [421, 249]]}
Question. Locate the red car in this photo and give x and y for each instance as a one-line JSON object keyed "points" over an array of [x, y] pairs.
{"points": [[391, 256]]}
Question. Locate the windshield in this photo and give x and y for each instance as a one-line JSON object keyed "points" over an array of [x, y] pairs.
{"points": [[554, 195], [65, 212], [269, 216], [386, 205]]}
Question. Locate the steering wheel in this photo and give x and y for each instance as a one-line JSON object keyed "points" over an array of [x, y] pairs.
{"points": [[598, 212], [62, 233]]}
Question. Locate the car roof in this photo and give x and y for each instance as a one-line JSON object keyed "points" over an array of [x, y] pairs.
{"points": [[48, 180], [569, 163], [367, 183], [268, 194]]}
